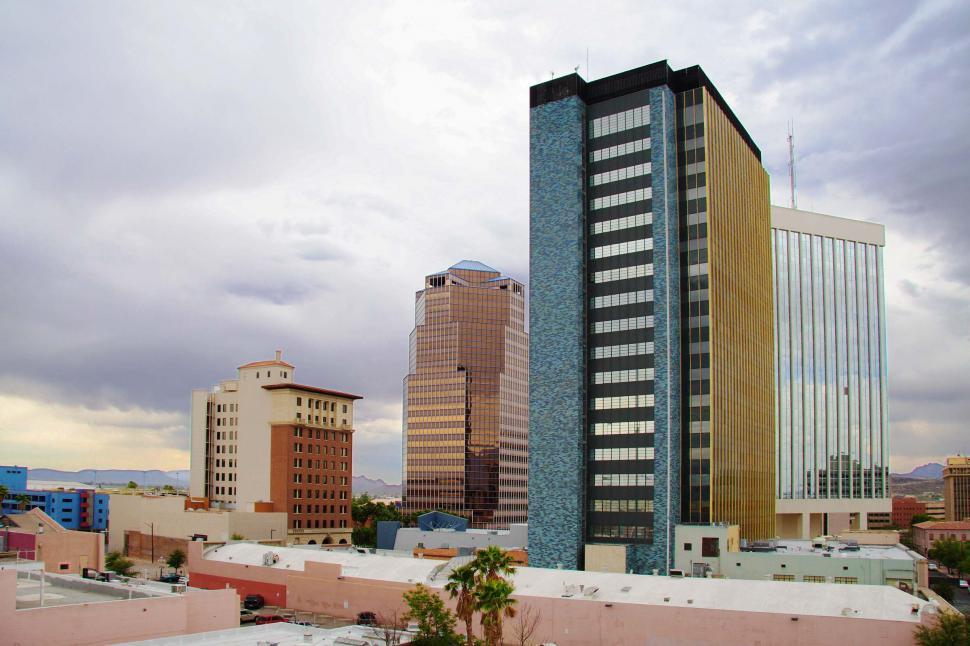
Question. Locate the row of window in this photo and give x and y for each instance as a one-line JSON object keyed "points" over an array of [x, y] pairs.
{"points": [[622, 453], [623, 480], [622, 149], [319, 493], [621, 505], [623, 401], [315, 404], [624, 298], [623, 273], [298, 477], [623, 376], [618, 174], [620, 248], [618, 199], [621, 325], [634, 118], [227, 408], [622, 350], [621, 531], [619, 224]]}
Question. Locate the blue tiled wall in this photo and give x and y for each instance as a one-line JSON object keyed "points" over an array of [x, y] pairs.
{"points": [[557, 343]]}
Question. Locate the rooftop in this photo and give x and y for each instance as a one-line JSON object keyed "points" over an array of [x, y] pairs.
{"points": [[790, 598], [944, 524], [281, 634], [313, 389], [64, 590], [806, 548], [259, 364], [827, 225], [473, 265]]}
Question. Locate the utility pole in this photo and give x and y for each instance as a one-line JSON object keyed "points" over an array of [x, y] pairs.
{"points": [[791, 162]]}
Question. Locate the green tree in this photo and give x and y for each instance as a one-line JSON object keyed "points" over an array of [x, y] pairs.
{"points": [[236, 536], [950, 552], [23, 501], [176, 559], [435, 621], [168, 489], [493, 598], [132, 484], [949, 629], [4, 492], [118, 564], [920, 518], [461, 584], [493, 563], [364, 536]]}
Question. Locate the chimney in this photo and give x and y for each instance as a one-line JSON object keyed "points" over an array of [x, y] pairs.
{"points": [[279, 355]]}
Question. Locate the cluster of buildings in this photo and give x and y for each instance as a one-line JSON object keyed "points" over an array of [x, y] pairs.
{"points": [[691, 437]]}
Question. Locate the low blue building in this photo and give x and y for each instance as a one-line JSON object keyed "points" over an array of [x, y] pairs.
{"points": [[80, 509]]}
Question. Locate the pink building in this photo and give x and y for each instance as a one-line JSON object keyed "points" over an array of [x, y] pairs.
{"points": [[575, 607], [35, 536], [925, 534], [79, 611]]}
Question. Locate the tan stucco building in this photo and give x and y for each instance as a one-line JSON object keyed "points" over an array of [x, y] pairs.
{"points": [[262, 442]]}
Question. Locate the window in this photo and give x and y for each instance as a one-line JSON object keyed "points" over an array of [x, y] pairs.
{"points": [[299, 401], [782, 577], [812, 578], [710, 546], [345, 408], [620, 248], [688, 547], [625, 298], [851, 580], [622, 149]]}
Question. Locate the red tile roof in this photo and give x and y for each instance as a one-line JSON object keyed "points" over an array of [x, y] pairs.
{"points": [[944, 525], [313, 389], [257, 364]]}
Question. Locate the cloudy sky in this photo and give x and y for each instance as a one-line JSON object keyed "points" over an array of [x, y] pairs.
{"points": [[188, 186]]}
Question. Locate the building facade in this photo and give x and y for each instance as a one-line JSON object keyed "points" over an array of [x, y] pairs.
{"points": [[650, 316], [904, 508], [466, 406], [925, 534], [76, 509], [956, 488], [832, 422], [264, 443]]}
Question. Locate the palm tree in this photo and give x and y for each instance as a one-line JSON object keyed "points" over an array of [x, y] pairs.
{"points": [[492, 563], [4, 492], [462, 584], [493, 598], [23, 500]]}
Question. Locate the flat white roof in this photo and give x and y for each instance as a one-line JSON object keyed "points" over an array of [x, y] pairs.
{"points": [[795, 598], [805, 548], [281, 634], [827, 225]]}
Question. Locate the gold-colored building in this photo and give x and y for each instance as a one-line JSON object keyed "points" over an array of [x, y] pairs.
{"points": [[956, 488], [727, 313], [466, 397]]}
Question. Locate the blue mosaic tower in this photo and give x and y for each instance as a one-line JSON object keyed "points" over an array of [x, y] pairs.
{"points": [[614, 196]]}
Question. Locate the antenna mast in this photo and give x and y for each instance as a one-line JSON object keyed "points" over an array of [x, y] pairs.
{"points": [[791, 162]]}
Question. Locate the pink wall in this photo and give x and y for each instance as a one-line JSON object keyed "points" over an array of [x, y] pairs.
{"points": [[114, 621], [577, 621], [23, 543]]}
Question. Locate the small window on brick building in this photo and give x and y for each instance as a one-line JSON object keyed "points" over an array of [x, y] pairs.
{"points": [[64, 566]]}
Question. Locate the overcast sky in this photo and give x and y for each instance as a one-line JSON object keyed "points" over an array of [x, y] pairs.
{"points": [[185, 187]]}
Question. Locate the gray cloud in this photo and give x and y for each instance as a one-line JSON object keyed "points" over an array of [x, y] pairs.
{"points": [[187, 187]]}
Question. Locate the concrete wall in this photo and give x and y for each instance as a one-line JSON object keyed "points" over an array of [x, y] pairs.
{"points": [[130, 513], [567, 622], [75, 550], [113, 621]]}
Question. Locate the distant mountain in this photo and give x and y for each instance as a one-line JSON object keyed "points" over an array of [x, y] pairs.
{"points": [[153, 478], [361, 484], [375, 488], [931, 471]]}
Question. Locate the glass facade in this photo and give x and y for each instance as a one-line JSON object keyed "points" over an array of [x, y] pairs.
{"points": [[832, 426], [466, 398]]}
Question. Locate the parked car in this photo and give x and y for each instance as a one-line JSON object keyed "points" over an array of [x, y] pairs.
{"points": [[933, 567], [366, 618], [964, 585], [247, 616], [170, 578], [268, 619], [254, 602]]}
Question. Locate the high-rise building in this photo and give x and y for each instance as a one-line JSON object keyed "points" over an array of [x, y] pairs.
{"points": [[263, 443], [832, 425], [466, 407], [956, 488], [650, 316]]}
